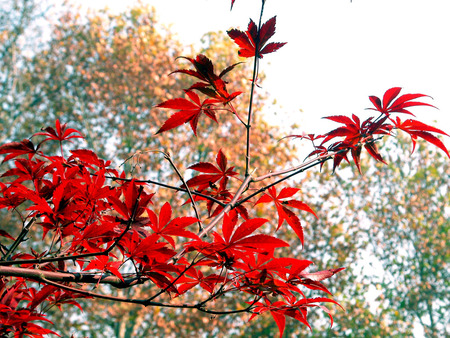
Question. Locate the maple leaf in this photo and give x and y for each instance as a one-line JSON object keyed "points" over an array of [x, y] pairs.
{"points": [[236, 242], [213, 174], [167, 227], [356, 135], [27, 170], [41, 296], [59, 133], [253, 39], [240, 238], [285, 214], [131, 193], [418, 129], [208, 283], [15, 149], [188, 111], [211, 84], [399, 105]]}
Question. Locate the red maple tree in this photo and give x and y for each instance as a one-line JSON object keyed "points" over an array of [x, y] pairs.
{"points": [[99, 225]]}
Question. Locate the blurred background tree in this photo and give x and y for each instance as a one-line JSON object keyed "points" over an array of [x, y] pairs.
{"points": [[104, 72]]}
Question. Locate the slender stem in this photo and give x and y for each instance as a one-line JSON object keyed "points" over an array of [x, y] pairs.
{"points": [[19, 239], [303, 165], [252, 89], [302, 169], [76, 277], [168, 187], [198, 306], [233, 110], [194, 205]]}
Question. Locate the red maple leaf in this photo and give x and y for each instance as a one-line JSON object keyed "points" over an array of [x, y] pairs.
{"points": [[211, 84], [166, 227], [418, 129], [356, 135], [285, 214], [101, 263], [236, 242], [14, 149], [253, 39], [213, 174], [59, 133], [188, 111], [208, 283], [399, 105]]}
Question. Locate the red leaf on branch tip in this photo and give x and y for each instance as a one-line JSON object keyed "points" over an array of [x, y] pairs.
{"points": [[399, 105], [188, 112], [15, 149], [89, 157], [213, 174], [167, 227], [284, 214], [419, 129], [355, 135], [280, 320], [212, 85], [59, 133], [251, 39], [246, 228]]}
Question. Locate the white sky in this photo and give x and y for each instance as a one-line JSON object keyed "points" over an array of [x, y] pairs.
{"points": [[338, 53]]}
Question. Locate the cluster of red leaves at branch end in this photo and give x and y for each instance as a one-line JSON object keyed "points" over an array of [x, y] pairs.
{"points": [[102, 221], [355, 135], [251, 43], [211, 85]]}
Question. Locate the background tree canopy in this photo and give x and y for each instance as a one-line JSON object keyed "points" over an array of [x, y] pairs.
{"points": [[103, 73]]}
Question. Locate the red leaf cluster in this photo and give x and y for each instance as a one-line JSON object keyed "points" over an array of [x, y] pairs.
{"points": [[211, 85], [354, 134], [254, 41], [105, 224]]}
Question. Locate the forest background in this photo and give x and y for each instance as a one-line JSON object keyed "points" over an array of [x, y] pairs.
{"points": [[102, 68]]}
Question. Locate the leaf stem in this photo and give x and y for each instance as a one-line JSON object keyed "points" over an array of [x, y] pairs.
{"points": [[252, 90]]}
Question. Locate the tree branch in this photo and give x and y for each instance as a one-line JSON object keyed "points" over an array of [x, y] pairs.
{"points": [[76, 277]]}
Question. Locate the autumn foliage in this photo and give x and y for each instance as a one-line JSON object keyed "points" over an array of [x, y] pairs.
{"points": [[100, 225]]}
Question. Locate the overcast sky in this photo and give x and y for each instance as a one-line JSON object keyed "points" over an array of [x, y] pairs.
{"points": [[338, 53]]}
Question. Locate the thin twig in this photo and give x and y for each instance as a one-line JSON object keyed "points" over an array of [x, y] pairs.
{"points": [[252, 89], [76, 277], [194, 205], [168, 186], [19, 239], [285, 171], [198, 306]]}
